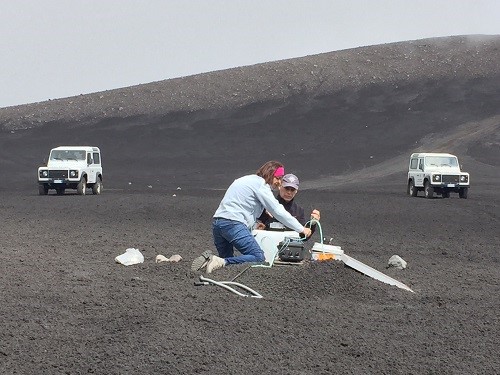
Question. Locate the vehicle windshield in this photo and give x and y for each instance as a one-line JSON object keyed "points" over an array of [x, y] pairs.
{"points": [[441, 161], [67, 155]]}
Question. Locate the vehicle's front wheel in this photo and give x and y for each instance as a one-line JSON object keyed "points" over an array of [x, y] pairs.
{"points": [[463, 192], [43, 189], [82, 186], [429, 190], [412, 190], [97, 187]]}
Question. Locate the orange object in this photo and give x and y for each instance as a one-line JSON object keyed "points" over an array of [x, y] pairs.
{"points": [[323, 256]]}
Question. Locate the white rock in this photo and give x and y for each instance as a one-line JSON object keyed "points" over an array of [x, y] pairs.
{"points": [[161, 258], [130, 257], [175, 258], [397, 261]]}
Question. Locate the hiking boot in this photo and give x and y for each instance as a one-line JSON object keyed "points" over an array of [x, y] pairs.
{"points": [[201, 261], [215, 263]]}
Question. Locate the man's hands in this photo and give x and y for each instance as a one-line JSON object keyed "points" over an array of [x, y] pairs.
{"points": [[315, 215], [260, 225], [306, 232]]}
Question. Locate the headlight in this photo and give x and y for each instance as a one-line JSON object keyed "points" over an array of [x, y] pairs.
{"points": [[73, 173], [464, 178], [436, 178], [44, 174]]}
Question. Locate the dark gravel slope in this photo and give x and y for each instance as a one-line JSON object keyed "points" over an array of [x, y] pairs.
{"points": [[325, 115]]}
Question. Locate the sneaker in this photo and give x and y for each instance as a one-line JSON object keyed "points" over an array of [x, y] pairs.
{"points": [[201, 261], [215, 263]]}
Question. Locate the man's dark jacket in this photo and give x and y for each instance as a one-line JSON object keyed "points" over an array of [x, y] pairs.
{"points": [[293, 208]]}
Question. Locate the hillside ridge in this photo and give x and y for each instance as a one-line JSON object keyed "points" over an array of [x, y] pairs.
{"points": [[463, 57]]}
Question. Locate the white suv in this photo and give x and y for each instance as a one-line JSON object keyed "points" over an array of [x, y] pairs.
{"points": [[71, 167], [436, 173]]}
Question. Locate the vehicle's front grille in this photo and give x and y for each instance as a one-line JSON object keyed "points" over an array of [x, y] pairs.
{"points": [[54, 173], [450, 178]]}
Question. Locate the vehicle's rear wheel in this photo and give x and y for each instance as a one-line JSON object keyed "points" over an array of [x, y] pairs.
{"points": [[463, 192], [412, 190], [446, 194], [60, 190], [82, 186], [97, 187], [43, 189], [429, 190]]}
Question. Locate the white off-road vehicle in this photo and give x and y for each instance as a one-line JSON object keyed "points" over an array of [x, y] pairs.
{"points": [[436, 173], [71, 167]]}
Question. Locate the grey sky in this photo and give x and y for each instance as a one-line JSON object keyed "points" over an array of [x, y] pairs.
{"points": [[59, 48]]}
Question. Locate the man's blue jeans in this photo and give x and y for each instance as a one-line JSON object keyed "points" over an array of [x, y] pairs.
{"points": [[230, 235]]}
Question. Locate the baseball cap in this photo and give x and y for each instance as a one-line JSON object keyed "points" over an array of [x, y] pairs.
{"points": [[290, 180]]}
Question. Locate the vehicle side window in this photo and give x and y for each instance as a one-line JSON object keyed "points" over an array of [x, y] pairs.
{"points": [[421, 164], [89, 158], [97, 159], [413, 163]]}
